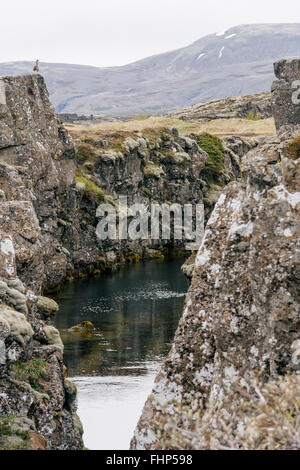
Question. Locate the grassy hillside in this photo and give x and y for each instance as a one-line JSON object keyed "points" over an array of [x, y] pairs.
{"points": [[239, 127]]}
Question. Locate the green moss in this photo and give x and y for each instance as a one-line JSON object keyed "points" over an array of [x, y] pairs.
{"points": [[91, 190], [155, 254], [213, 146]]}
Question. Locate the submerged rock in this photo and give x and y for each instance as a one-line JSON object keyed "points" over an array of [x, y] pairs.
{"points": [[84, 326]]}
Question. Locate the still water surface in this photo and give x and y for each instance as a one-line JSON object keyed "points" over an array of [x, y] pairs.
{"points": [[135, 312]]}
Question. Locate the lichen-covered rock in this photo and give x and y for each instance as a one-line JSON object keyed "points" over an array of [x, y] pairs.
{"points": [[285, 110], [46, 306], [7, 259], [188, 266], [53, 337], [36, 405], [16, 325], [36, 178], [37, 172], [240, 324]]}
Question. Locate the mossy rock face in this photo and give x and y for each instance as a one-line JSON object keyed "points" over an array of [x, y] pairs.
{"points": [[88, 166], [212, 195], [84, 326], [15, 325], [47, 306], [90, 189], [53, 337], [110, 156], [70, 391], [214, 148], [5, 425], [134, 258]]}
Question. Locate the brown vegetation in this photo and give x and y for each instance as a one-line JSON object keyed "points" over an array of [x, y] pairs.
{"points": [[236, 126]]}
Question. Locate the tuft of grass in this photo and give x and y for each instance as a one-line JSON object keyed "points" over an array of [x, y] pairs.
{"points": [[251, 116], [30, 371], [84, 152]]}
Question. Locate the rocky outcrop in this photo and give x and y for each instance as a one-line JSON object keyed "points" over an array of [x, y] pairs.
{"points": [[230, 380], [37, 410], [253, 107], [156, 166], [286, 93], [37, 172]]}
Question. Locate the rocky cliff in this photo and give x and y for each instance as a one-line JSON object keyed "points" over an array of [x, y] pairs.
{"points": [[230, 380], [37, 402]]}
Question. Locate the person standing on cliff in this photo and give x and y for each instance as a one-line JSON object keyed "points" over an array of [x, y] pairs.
{"points": [[36, 66]]}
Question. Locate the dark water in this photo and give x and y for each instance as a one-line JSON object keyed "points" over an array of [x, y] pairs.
{"points": [[135, 312]]}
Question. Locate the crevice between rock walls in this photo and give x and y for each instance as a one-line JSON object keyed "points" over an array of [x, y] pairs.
{"points": [[47, 236]]}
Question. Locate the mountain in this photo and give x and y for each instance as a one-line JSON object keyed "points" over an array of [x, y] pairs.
{"points": [[234, 62]]}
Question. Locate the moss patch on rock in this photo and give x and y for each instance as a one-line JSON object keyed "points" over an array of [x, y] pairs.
{"points": [[91, 190], [53, 337], [47, 306], [214, 148], [16, 324]]}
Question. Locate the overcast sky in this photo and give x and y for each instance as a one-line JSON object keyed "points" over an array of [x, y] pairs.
{"points": [[116, 32]]}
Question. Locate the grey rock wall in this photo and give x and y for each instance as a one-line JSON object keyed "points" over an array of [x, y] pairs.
{"points": [[233, 356]]}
